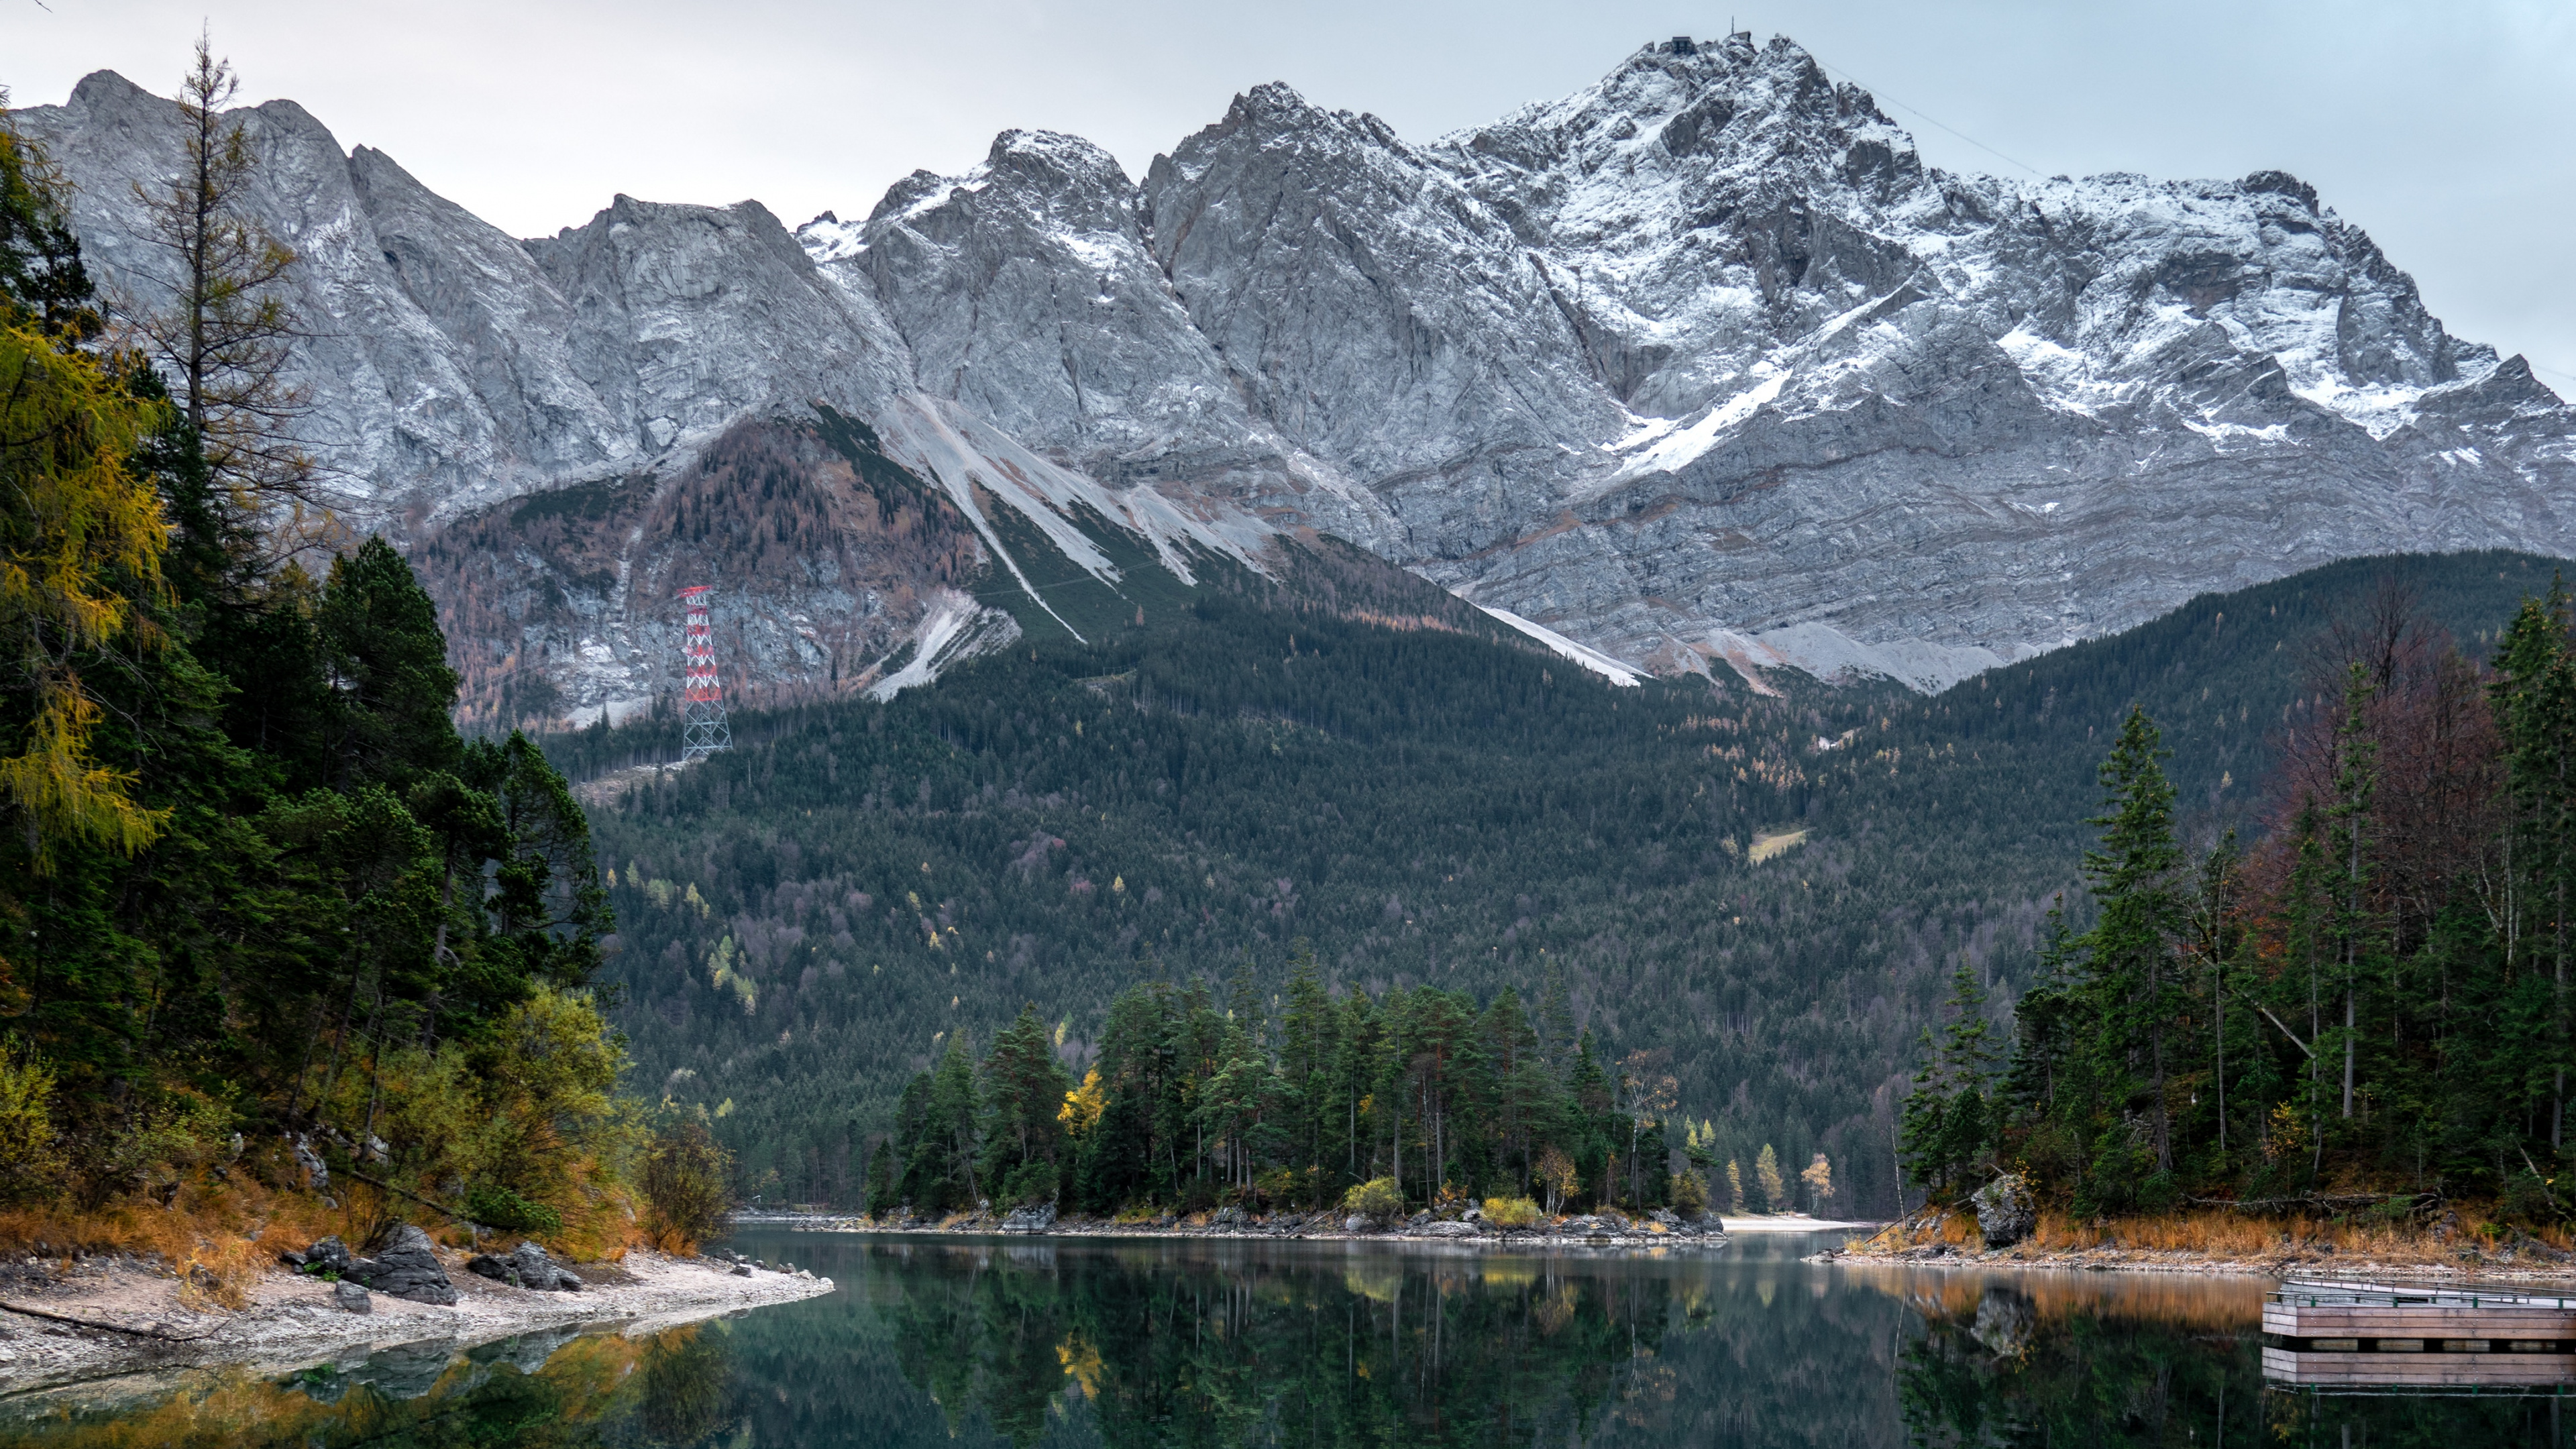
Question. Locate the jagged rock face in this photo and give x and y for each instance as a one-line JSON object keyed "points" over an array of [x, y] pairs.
{"points": [[394, 408], [1982, 416], [684, 318], [1376, 313], [1704, 364], [1024, 291], [450, 366], [1699, 366]]}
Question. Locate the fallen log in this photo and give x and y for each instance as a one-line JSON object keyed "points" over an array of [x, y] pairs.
{"points": [[155, 1331]]}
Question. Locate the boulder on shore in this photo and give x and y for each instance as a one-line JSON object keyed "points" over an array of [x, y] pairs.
{"points": [[2006, 1213], [527, 1266], [1038, 1218], [407, 1268], [329, 1255]]}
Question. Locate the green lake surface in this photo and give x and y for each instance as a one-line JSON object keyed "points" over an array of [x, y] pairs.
{"points": [[946, 1341]]}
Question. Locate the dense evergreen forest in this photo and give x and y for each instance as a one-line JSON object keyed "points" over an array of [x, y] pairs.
{"points": [[1374, 1105], [262, 910], [1773, 889], [2362, 1001]]}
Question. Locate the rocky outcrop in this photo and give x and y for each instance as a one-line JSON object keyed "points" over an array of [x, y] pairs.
{"points": [[407, 1267]]}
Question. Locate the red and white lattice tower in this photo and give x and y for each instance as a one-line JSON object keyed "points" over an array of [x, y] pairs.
{"points": [[703, 730]]}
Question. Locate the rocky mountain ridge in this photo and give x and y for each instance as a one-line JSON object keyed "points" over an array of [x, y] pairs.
{"points": [[1701, 366]]}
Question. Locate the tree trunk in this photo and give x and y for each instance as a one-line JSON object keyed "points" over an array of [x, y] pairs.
{"points": [[2350, 1040]]}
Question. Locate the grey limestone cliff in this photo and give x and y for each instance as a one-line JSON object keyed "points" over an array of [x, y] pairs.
{"points": [[1701, 366]]}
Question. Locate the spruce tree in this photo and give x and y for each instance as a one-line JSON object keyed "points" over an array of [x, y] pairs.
{"points": [[2535, 705], [1947, 1129], [2129, 952]]}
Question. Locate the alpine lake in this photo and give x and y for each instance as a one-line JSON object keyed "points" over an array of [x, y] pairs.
{"points": [[948, 1341]]}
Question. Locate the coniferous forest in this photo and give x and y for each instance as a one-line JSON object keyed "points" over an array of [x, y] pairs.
{"points": [[264, 914], [1767, 894], [2356, 1000]]}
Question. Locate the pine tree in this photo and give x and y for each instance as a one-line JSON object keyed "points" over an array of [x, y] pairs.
{"points": [[43, 284], [2356, 771], [1307, 1039], [1555, 1015], [945, 1167], [1766, 1175], [386, 664]]}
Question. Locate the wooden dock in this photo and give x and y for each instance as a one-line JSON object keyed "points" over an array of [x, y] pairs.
{"points": [[2344, 1335], [2427, 1370]]}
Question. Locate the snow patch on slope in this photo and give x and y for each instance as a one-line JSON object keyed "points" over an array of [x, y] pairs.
{"points": [[827, 238], [1672, 450], [1583, 654]]}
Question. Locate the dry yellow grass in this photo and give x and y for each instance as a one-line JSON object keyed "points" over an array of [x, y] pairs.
{"points": [[220, 1236], [1767, 846], [2220, 1236]]}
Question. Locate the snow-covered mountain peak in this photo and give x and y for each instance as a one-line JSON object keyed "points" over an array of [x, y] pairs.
{"points": [[1700, 366]]}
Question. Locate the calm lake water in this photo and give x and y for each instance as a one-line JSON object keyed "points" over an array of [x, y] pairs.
{"points": [[981, 1342]]}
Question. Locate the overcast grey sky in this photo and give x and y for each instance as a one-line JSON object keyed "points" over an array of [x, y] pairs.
{"points": [[2443, 128]]}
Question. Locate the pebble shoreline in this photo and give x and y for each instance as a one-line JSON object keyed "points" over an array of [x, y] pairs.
{"points": [[294, 1321]]}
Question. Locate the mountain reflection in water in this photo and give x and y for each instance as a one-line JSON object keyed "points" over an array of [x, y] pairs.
{"points": [[946, 1341]]}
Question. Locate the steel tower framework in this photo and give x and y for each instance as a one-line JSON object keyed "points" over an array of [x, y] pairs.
{"points": [[703, 730]]}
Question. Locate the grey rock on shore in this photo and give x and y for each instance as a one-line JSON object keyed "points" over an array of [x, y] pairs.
{"points": [[526, 1266], [407, 1267]]}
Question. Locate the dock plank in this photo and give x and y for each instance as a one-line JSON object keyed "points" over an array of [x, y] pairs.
{"points": [[2418, 1370]]}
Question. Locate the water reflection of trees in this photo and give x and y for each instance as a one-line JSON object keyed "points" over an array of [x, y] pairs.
{"points": [[1990, 1374], [549, 1391], [2072, 1364], [1236, 1349]]}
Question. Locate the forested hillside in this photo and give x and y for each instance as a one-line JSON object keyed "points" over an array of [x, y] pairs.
{"points": [[2363, 1006], [807, 921], [264, 915]]}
